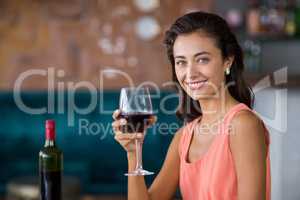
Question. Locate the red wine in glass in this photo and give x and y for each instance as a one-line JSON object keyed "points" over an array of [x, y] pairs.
{"points": [[136, 108], [136, 122]]}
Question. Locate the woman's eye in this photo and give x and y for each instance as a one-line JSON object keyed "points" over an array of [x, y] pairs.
{"points": [[180, 62], [203, 60]]}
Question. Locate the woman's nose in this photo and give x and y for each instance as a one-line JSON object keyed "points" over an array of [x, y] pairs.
{"points": [[191, 70]]}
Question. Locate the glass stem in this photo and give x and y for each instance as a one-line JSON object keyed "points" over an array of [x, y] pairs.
{"points": [[139, 152]]}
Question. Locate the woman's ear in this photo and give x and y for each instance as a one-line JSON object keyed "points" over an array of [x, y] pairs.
{"points": [[228, 62]]}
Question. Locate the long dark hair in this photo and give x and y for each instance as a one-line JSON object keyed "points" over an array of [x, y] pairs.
{"points": [[217, 28]]}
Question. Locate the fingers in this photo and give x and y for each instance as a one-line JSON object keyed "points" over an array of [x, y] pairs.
{"points": [[121, 122], [129, 146], [124, 136], [128, 136], [116, 114], [128, 141], [116, 124]]}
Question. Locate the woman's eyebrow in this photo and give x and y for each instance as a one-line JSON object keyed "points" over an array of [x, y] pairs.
{"points": [[183, 57], [201, 53], [195, 55]]}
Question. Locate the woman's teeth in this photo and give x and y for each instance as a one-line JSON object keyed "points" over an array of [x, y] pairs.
{"points": [[196, 85]]}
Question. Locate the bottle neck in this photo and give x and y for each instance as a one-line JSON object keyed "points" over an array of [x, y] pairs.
{"points": [[50, 143], [50, 133]]}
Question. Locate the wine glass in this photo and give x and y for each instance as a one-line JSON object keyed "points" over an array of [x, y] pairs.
{"points": [[136, 107]]}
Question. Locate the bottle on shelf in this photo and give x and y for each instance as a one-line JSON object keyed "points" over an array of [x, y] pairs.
{"points": [[290, 23], [273, 18], [297, 20], [50, 166], [253, 18], [277, 16]]}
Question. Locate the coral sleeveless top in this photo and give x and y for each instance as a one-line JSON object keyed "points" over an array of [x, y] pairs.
{"points": [[213, 176]]}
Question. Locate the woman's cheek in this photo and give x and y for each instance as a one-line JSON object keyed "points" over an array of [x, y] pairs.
{"points": [[179, 74], [215, 72]]}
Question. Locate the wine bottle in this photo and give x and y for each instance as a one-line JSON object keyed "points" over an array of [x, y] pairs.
{"points": [[50, 166], [253, 18], [297, 20], [290, 24]]}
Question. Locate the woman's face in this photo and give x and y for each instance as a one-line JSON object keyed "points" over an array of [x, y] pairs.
{"points": [[199, 65]]}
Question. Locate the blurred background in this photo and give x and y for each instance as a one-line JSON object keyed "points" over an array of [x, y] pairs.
{"points": [[92, 47]]}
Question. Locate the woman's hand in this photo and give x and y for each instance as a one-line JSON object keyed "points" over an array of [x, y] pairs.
{"points": [[127, 140]]}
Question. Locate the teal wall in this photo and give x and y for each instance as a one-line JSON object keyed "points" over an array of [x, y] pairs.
{"points": [[94, 157]]}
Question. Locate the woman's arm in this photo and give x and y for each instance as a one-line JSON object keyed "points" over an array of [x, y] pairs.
{"points": [[165, 184], [249, 150]]}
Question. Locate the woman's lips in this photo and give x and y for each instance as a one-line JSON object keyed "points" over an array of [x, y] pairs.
{"points": [[196, 85]]}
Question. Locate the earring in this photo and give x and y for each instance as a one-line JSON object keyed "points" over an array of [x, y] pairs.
{"points": [[227, 71]]}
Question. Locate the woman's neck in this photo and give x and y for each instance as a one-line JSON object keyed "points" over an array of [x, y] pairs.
{"points": [[215, 107]]}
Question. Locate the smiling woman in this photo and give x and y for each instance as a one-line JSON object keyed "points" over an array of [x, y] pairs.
{"points": [[222, 152], [216, 52]]}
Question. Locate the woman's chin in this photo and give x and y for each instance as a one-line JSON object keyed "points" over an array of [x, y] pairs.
{"points": [[198, 95]]}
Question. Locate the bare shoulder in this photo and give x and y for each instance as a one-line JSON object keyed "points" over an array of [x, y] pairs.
{"points": [[247, 121], [247, 130]]}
